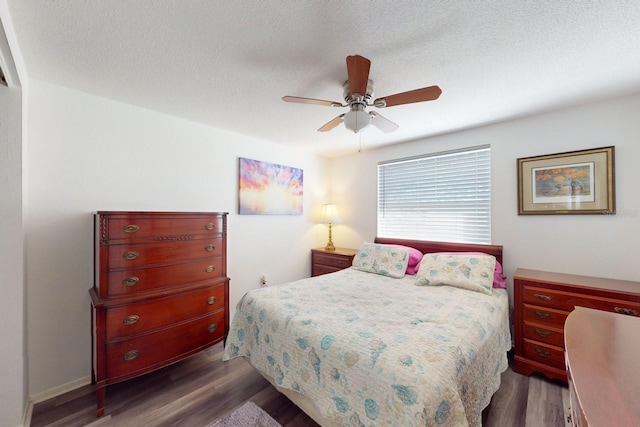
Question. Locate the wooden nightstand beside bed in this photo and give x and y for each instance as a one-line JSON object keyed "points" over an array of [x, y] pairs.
{"points": [[324, 261]]}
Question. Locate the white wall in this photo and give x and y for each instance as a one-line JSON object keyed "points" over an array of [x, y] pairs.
{"points": [[87, 153], [595, 245], [12, 304]]}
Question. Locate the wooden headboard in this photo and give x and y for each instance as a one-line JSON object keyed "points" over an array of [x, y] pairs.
{"points": [[427, 247]]}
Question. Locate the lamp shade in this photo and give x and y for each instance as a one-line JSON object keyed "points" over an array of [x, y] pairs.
{"points": [[330, 214], [356, 120]]}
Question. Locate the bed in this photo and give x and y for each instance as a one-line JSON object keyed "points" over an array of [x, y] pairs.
{"points": [[358, 347]]}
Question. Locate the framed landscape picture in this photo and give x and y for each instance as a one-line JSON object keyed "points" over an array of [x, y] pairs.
{"points": [[576, 182], [269, 189]]}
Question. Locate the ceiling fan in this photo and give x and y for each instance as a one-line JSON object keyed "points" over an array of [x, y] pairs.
{"points": [[358, 91]]}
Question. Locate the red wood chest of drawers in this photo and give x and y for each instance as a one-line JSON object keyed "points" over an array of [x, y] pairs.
{"points": [[542, 302], [160, 294]]}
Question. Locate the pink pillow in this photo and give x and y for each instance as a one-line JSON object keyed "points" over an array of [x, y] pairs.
{"points": [[499, 279], [413, 269], [415, 256]]}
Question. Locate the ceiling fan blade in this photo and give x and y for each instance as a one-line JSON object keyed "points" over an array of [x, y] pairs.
{"points": [[358, 73], [300, 100], [382, 123], [419, 95], [332, 124]]}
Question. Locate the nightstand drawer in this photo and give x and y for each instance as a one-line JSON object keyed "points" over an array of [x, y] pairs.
{"points": [[319, 269], [333, 261]]}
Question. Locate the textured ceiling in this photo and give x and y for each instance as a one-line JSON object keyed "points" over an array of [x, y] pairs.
{"points": [[228, 63]]}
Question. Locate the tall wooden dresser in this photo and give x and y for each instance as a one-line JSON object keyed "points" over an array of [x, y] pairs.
{"points": [[160, 294]]}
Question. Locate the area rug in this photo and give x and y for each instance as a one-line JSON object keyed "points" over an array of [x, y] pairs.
{"points": [[248, 415]]}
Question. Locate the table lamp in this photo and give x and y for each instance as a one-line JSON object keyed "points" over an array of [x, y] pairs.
{"points": [[330, 216]]}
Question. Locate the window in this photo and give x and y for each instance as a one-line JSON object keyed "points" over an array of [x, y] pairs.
{"points": [[443, 196]]}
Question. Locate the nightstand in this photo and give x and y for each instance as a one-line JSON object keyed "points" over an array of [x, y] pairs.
{"points": [[324, 261]]}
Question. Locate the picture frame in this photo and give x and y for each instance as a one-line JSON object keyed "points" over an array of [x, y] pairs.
{"points": [[574, 182], [269, 189]]}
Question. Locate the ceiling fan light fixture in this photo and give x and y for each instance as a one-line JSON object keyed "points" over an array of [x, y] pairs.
{"points": [[356, 120], [357, 94]]}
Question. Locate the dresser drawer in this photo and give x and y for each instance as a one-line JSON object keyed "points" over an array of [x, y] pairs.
{"points": [[126, 357], [161, 312], [140, 255], [134, 280], [544, 315], [544, 333], [544, 353], [563, 300], [161, 227], [340, 262]]}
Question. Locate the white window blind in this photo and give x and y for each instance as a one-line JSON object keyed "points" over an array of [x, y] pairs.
{"points": [[442, 197]]}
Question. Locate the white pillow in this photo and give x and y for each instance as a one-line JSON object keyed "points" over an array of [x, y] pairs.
{"points": [[386, 260], [471, 272]]}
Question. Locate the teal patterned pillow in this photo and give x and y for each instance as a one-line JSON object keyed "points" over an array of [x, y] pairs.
{"points": [[471, 272], [386, 260]]}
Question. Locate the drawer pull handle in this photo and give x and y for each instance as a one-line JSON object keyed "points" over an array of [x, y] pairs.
{"points": [[130, 355], [131, 228], [542, 297], [628, 311], [542, 314], [211, 300], [542, 332], [210, 226], [211, 328], [543, 353], [210, 269], [130, 281], [130, 320], [131, 255], [210, 248]]}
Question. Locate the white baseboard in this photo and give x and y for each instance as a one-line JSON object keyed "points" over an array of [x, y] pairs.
{"points": [[49, 394], [26, 417], [57, 391]]}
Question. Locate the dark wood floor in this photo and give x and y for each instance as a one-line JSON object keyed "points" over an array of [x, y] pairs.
{"points": [[200, 390]]}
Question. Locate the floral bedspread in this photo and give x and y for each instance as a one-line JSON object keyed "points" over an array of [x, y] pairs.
{"points": [[371, 350]]}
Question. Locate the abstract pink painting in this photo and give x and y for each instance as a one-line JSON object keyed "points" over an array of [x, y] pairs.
{"points": [[269, 189]]}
